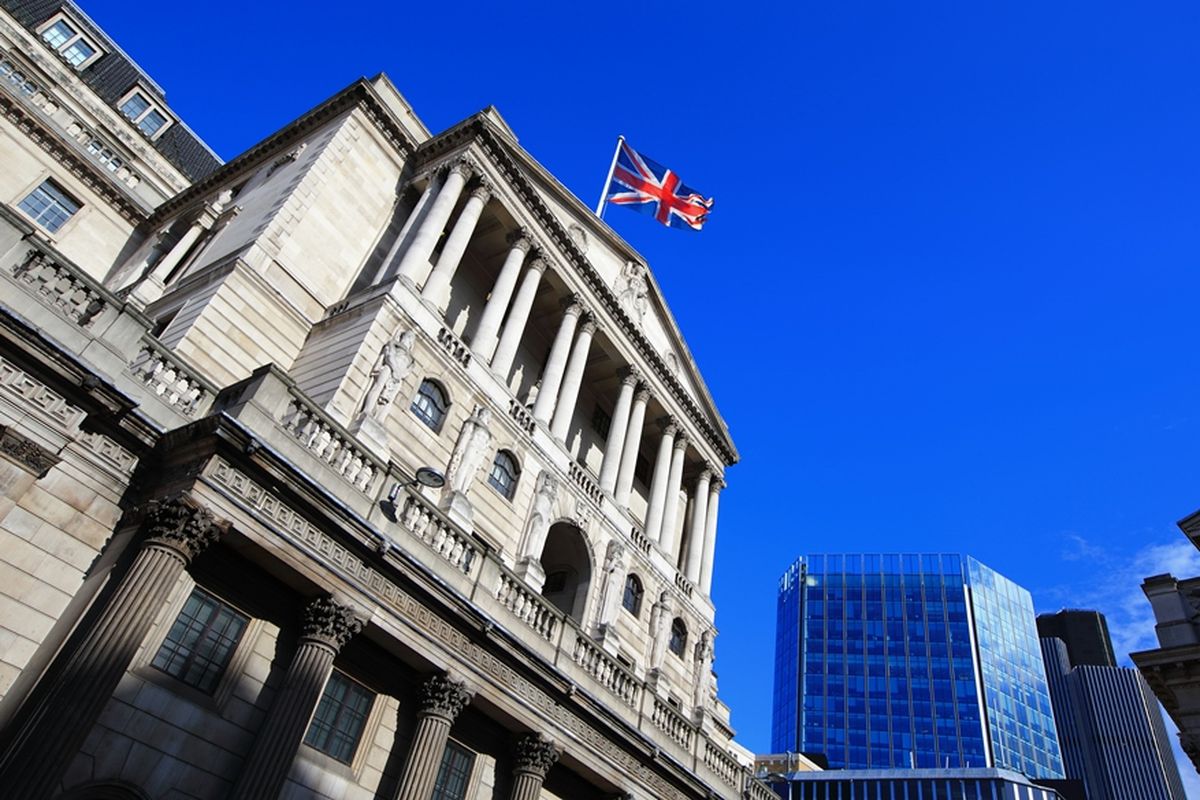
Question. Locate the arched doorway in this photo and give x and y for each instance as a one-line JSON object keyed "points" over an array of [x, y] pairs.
{"points": [[568, 567]]}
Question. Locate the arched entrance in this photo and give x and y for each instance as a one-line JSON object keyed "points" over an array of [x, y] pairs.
{"points": [[568, 567]]}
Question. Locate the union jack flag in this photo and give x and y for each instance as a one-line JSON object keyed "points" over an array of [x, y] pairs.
{"points": [[643, 185]]}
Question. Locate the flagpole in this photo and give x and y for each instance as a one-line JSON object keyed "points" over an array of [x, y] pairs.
{"points": [[607, 181]]}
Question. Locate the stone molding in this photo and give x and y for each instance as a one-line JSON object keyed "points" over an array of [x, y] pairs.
{"points": [[520, 239], [329, 623], [534, 754], [26, 453], [443, 697], [180, 527]]}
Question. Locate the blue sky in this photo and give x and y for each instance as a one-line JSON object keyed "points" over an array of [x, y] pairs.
{"points": [[945, 298]]}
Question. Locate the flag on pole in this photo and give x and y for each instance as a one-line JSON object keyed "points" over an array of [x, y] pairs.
{"points": [[643, 185]]}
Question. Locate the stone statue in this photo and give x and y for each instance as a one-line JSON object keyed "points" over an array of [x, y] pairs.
{"points": [[703, 668], [660, 629], [473, 443], [634, 291], [392, 366], [613, 582], [545, 494]]}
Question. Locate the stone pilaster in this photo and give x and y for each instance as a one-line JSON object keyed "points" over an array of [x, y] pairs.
{"points": [[53, 730], [442, 700], [533, 756], [325, 628]]}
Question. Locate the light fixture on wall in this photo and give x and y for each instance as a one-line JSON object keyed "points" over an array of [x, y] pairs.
{"points": [[425, 476]]}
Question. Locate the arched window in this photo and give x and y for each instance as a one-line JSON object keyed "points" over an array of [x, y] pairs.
{"points": [[678, 637], [430, 404], [632, 601], [504, 474]]}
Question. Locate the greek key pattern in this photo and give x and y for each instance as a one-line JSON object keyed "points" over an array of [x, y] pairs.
{"points": [[35, 395]]}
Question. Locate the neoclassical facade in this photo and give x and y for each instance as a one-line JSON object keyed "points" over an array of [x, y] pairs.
{"points": [[369, 464]]}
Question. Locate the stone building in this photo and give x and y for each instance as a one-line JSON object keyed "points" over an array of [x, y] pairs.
{"points": [[369, 464]]}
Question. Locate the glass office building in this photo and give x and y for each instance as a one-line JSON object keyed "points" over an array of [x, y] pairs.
{"points": [[939, 784], [910, 661]]}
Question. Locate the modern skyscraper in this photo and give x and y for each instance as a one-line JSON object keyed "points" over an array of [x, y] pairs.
{"points": [[1110, 727], [897, 661]]}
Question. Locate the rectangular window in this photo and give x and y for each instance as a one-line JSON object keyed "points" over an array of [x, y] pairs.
{"points": [[16, 77], [104, 154], [59, 34], [201, 641], [135, 106], [143, 113], [454, 773], [78, 52], [49, 206], [341, 716], [63, 36]]}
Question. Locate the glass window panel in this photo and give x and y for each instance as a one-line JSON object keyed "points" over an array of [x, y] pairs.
{"points": [[201, 641], [152, 123], [78, 52], [454, 773], [340, 718], [58, 34], [49, 206], [135, 106]]}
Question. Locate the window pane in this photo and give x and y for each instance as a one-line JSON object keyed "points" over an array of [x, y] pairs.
{"points": [[49, 206], [430, 405], [503, 476], [341, 715], [152, 122], [79, 52], [58, 34], [135, 106], [201, 641], [454, 773]]}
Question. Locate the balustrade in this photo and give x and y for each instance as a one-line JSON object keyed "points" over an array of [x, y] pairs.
{"points": [[639, 539], [722, 764], [165, 374], [426, 524], [581, 478], [62, 288], [527, 606], [454, 346], [522, 415], [670, 722], [757, 790], [684, 585], [329, 442], [606, 670]]}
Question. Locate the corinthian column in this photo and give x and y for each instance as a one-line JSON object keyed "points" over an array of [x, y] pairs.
{"points": [[556, 362], [629, 450], [669, 539], [710, 537], [416, 257], [695, 544], [325, 629], [518, 318], [438, 284], [616, 431], [658, 485], [569, 394], [533, 757], [59, 720], [483, 343], [441, 702]]}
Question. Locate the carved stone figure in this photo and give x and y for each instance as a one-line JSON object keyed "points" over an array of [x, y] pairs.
{"points": [[545, 494], [633, 291], [660, 629], [392, 366], [474, 441], [703, 670], [613, 577]]}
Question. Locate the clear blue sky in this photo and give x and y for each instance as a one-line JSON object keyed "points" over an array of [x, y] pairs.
{"points": [[945, 299]]}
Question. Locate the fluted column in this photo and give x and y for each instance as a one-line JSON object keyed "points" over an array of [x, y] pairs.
{"points": [[438, 285], [695, 543], [616, 431], [556, 363], [658, 484], [568, 395], [442, 699], [710, 536], [631, 447], [518, 318], [59, 721], [416, 257], [533, 757], [483, 343], [325, 628], [669, 538]]}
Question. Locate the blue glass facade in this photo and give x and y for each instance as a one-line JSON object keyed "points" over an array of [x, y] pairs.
{"points": [[876, 666]]}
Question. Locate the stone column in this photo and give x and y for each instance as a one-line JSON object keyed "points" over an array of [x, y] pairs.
{"points": [[416, 257], [483, 343], [325, 628], [57, 723], [438, 285], [564, 410], [669, 537], [710, 537], [518, 318], [415, 215], [695, 543], [616, 430], [658, 485], [442, 700], [533, 757], [556, 362], [631, 448], [163, 268]]}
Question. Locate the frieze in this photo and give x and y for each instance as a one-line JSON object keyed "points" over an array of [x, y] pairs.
{"points": [[407, 608], [26, 453], [109, 452], [34, 395]]}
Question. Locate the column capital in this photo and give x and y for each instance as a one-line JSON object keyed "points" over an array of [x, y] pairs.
{"points": [[588, 323], [538, 263], [534, 754], [482, 191], [705, 474], [717, 484], [443, 697], [520, 239], [642, 395], [462, 166], [668, 424], [572, 305], [681, 442], [630, 375], [185, 529], [329, 623]]}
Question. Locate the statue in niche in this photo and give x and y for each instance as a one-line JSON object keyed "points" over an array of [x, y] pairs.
{"points": [[613, 577], [660, 629], [633, 291], [474, 441], [392, 366], [541, 515], [703, 668]]}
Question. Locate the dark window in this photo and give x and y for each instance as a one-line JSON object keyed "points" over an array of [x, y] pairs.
{"points": [[641, 470], [341, 715], [555, 582], [601, 421], [49, 206], [503, 476], [454, 773], [201, 641], [632, 601], [678, 637], [430, 405]]}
